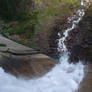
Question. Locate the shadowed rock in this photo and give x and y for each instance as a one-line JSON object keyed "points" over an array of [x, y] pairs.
{"points": [[86, 84], [27, 65], [80, 45]]}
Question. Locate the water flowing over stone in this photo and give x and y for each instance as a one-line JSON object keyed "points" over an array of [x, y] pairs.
{"points": [[64, 77]]}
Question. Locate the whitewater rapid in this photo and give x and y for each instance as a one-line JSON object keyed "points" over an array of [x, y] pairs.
{"points": [[64, 77]]}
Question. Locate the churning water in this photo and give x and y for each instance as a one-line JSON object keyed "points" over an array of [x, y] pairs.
{"points": [[64, 77]]}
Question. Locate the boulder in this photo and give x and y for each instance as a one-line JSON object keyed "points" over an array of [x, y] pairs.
{"points": [[80, 45], [20, 60], [27, 65]]}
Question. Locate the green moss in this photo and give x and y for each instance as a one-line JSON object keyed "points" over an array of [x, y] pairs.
{"points": [[38, 19], [57, 7], [89, 13], [2, 45], [12, 9], [23, 25]]}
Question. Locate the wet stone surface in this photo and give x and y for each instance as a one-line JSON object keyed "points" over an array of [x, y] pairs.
{"points": [[23, 61]]}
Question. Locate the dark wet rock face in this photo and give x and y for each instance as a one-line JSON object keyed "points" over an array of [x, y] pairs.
{"points": [[79, 42], [53, 38]]}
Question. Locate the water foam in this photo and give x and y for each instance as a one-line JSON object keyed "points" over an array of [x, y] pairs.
{"points": [[64, 77]]}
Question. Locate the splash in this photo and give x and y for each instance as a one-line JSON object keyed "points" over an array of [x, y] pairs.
{"points": [[64, 77]]}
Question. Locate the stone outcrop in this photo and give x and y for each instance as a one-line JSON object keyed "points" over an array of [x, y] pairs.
{"points": [[27, 65], [86, 84], [39, 30], [23, 61], [79, 42]]}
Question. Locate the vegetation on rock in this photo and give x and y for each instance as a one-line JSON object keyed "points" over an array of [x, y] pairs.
{"points": [[31, 22]]}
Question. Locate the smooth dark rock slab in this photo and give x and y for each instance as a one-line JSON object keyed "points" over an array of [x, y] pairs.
{"points": [[20, 60], [27, 65]]}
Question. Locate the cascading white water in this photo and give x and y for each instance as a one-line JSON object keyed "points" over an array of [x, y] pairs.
{"points": [[64, 77], [74, 20]]}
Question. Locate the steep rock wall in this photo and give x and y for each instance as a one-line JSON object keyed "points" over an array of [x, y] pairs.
{"points": [[80, 39]]}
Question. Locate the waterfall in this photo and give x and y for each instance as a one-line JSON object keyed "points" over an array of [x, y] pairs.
{"points": [[74, 20], [64, 77]]}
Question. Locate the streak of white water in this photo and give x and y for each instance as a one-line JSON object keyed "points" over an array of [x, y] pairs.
{"points": [[64, 77], [82, 2], [76, 19]]}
